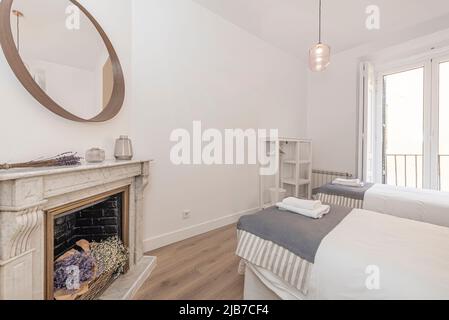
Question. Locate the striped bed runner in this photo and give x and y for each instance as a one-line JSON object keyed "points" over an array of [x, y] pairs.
{"points": [[339, 200], [265, 254]]}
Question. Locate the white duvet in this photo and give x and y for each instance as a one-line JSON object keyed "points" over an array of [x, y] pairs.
{"points": [[378, 256], [415, 204]]}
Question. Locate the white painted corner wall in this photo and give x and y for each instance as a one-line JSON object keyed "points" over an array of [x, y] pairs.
{"points": [[29, 131], [333, 95], [184, 63], [190, 64], [332, 114], [181, 63]]}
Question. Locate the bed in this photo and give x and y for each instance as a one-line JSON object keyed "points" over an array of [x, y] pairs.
{"points": [[352, 197], [416, 204], [285, 243], [288, 256]]}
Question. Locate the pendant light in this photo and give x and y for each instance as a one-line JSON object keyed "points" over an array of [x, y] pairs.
{"points": [[320, 54], [18, 15]]}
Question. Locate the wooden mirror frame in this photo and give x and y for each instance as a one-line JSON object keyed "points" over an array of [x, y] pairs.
{"points": [[19, 69]]}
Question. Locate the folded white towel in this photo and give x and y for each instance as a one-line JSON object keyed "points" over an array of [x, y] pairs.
{"points": [[348, 182], [315, 214], [302, 204]]}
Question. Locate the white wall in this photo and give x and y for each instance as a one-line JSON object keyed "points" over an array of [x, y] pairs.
{"points": [[74, 88], [29, 131], [332, 114], [190, 64], [333, 94], [187, 64]]}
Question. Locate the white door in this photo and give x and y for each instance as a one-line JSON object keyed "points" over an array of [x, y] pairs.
{"points": [[440, 125], [412, 124], [403, 129]]}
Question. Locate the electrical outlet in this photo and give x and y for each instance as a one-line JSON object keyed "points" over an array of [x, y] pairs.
{"points": [[186, 214]]}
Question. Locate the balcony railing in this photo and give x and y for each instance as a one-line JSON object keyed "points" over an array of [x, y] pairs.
{"points": [[406, 170]]}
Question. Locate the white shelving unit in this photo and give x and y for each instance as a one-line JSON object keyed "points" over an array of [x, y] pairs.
{"points": [[294, 174]]}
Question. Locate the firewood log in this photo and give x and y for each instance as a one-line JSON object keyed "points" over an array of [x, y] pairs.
{"points": [[84, 244]]}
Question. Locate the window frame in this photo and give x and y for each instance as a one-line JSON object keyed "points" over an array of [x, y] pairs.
{"points": [[380, 111], [430, 62], [435, 117]]}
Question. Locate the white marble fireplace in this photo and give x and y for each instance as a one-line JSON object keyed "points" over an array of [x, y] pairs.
{"points": [[27, 195]]}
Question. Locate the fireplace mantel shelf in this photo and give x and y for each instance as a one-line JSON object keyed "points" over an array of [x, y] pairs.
{"points": [[21, 173], [28, 194]]}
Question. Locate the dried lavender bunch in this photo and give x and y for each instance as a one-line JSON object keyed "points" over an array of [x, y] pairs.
{"points": [[83, 261], [67, 159], [63, 159], [110, 255]]}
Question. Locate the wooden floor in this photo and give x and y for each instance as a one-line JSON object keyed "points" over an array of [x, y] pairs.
{"points": [[200, 268]]}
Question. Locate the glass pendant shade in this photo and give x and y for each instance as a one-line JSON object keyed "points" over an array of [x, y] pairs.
{"points": [[319, 57]]}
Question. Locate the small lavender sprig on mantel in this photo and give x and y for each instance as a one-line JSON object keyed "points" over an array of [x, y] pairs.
{"points": [[61, 160]]}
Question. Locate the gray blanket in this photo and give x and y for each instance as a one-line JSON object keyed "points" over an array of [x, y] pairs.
{"points": [[296, 233], [357, 193]]}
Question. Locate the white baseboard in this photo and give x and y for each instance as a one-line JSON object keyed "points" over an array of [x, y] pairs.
{"points": [[182, 234]]}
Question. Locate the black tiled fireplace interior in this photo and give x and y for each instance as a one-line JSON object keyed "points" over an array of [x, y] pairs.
{"points": [[95, 223]]}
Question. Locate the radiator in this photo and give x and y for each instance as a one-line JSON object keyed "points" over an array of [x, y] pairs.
{"points": [[322, 177]]}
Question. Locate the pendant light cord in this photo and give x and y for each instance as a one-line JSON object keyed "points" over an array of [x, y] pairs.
{"points": [[319, 28], [18, 34]]}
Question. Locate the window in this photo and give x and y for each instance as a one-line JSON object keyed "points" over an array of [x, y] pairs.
{"points": [[443, 150], [405, 128], [403, 109]]}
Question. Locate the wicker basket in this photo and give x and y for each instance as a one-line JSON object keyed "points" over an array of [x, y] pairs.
{"points": [[99, 285], [101, 280]]}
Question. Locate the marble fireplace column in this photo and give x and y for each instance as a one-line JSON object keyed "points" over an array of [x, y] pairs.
{"points": [[25, 196], [21, 241]]}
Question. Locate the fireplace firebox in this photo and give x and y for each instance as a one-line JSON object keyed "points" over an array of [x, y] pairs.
{"points": [[77, 236], [97, 222]]}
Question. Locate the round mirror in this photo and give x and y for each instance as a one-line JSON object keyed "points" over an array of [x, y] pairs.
{"points": [[63, 58]]}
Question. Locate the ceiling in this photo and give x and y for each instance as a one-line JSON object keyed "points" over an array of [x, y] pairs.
{"points": [[44, 35], [292, 25]]}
